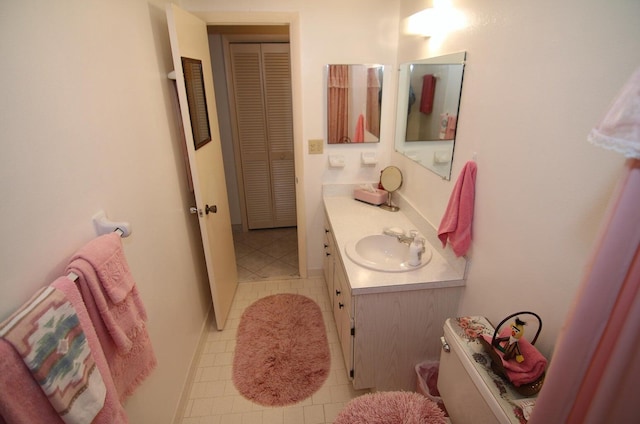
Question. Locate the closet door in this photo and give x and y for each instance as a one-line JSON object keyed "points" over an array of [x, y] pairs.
{"points": [[261, 79], [277, 89]]}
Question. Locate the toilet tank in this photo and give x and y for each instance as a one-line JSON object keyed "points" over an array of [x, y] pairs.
{"points": [[471, 391]]}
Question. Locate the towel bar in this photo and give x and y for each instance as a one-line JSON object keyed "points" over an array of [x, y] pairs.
{"points": [[105, 226]]}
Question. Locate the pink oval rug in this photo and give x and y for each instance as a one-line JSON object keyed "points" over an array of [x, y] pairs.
{"points": [[282, 353], [391, 408]]}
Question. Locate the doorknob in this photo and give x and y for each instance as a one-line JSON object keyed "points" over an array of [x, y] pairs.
{"points": [[212, 209]]}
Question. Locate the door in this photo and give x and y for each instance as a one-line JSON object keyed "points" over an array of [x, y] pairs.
{"points": [[188, 36], [261, 86]]}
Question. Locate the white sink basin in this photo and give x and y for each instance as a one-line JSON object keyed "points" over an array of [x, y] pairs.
{"points": [[383, 253]]}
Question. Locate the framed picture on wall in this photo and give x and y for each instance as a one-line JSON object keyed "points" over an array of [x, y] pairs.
{"points": [[196, 97]]}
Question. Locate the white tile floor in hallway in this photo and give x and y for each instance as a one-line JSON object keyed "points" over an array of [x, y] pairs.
{"points": [[212, 397], [266, 254]]}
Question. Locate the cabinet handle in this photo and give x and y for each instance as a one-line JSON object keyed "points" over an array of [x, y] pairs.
{"points": [[340, 305], [338, 292]]}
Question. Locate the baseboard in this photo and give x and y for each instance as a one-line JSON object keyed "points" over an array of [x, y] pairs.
{"points": [[193, 366]]}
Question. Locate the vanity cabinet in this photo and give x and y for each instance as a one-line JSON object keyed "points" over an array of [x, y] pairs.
{"points": [[384, 331], [339, 296], [343, 313], [395, 331]]}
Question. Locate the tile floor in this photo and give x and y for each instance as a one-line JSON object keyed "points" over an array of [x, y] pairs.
{"points": [[213, 399], [266, 254]]}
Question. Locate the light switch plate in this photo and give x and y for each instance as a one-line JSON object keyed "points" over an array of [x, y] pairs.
{"points": [[315, 146]]}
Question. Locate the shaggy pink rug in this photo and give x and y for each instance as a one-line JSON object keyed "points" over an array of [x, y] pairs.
{"points": [[391, 408], [282, 353]]}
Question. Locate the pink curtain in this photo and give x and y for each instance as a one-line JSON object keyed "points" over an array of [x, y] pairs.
{"points": [[338, 104], [373, 101], [595, 369]]}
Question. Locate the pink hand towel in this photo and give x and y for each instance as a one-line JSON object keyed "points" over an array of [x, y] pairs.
{"points": [[456, 221], [428, 91], [359, 135], [526, 371], [450, 132], [121, 327], [26, 403]]}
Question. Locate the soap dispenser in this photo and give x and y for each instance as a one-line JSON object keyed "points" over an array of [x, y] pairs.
{"points": [[416, 248]]}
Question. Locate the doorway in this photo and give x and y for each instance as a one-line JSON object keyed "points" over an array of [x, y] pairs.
{"points": [[252, 79]]}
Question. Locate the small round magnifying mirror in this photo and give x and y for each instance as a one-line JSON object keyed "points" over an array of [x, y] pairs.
{"points": [[391, 180]]}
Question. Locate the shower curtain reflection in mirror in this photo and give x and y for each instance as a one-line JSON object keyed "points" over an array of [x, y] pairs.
{"points": [[354, 98], [338, 103]]}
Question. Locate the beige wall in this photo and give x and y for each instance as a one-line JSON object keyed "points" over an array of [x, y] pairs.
{"points": [[87, 123], [539, 76]]}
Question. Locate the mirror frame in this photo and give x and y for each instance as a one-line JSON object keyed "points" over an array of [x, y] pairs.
{"points": [[442, 151], [361, 109], [197, 99]]}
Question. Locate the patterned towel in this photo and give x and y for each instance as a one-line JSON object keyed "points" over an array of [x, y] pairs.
{"points": [[47, 334]]}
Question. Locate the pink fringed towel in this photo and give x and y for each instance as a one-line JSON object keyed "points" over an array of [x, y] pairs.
{"points": [[115, 307], [428, 91], [455, 226]]}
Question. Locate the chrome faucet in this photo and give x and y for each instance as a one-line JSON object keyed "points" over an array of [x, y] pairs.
{"points": [[402, 238]]}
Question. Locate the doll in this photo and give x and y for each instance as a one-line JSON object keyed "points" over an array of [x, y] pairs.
{"points": [[512, 350]]}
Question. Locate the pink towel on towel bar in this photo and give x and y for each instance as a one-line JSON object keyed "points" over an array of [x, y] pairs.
{"points": [[121, 326], [428, 91], [26, 403], [526, 371], [455, 226], [359, 134]]}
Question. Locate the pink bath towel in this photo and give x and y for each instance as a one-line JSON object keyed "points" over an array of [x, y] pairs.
{"points": [[359, 134], [26, 403], [524, 372], [428, 91], [455, 226], [121, 326]]}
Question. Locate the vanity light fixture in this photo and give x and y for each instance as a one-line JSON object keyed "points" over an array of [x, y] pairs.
{"points": [[436, 21]]}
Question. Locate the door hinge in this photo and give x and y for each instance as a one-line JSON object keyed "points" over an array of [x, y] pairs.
{"points": [[351, 373], [353, 331]]}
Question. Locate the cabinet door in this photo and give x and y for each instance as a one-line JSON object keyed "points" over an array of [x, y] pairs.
{"points": [[343, 314], [328, 260]]}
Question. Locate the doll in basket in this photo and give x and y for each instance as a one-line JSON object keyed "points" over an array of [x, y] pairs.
{"points": [[511, 349]]}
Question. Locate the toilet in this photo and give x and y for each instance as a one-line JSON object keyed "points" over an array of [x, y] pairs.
{"points": [[471, 391]]}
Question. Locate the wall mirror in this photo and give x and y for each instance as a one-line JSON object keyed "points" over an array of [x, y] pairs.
{"points": [[354, 97], [194, 82], [428, 111]]}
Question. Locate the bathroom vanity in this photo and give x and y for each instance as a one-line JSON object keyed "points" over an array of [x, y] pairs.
{"points": [[387, 322]]}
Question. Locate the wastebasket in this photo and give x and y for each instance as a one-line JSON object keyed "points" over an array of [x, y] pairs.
{"points": [[427, 382]]}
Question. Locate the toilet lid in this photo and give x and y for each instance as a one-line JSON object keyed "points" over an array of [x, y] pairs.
{"points": [[461, 333]]}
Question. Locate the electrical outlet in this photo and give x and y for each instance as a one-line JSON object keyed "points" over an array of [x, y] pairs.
{"points": [[315, 146]]}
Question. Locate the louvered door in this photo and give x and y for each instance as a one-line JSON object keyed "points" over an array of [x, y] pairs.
{"points": [[261, 79]]}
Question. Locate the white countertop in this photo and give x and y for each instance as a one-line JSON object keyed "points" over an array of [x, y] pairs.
{"points": [[351, 220]]}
